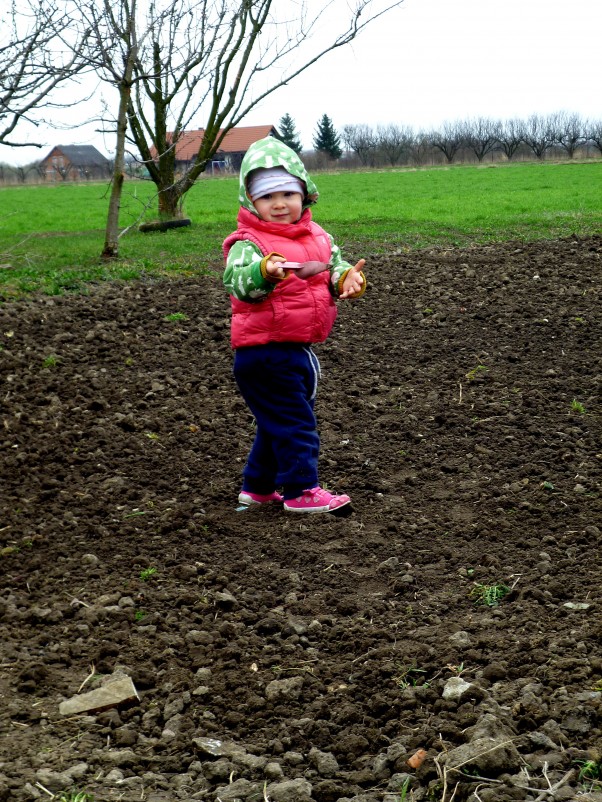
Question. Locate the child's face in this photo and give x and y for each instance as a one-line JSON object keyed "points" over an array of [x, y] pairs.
{"points": [[280, 207]]}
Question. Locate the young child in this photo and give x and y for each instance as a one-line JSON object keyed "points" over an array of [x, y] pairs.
{"points": [[277, 313]]}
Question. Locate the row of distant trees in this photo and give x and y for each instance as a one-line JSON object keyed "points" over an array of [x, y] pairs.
{"points": [[562, 133]]}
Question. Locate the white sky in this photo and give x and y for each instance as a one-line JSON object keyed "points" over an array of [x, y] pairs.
{"points": [[424, 63]]}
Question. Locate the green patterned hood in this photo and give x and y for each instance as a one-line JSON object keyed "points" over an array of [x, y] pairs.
{"points": [[271, 152]]}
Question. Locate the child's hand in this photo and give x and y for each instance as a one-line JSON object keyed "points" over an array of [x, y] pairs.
{"points": [[273, 268], [354, 281]]}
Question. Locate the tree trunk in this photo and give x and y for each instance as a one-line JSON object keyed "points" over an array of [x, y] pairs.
{"points": [[111, 246], [170, 202]]}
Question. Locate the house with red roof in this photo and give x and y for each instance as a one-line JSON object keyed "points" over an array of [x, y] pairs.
{"points": [[230, 153]]}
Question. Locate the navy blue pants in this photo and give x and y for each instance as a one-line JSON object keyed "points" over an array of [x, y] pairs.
{"points": [[279, 382]]}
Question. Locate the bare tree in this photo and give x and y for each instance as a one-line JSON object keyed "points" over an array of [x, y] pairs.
{"points": [[395, 142], [22, 171], [448, 140], [593, 133], [421, 146], [34, 60], [570, 132], [38, 166], [113, 52], [362, 140], [540, 133], [212, 60], [510, 136], [481, 136]]}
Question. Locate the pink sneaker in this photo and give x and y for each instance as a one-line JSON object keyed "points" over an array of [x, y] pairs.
{"points": [[316, 500], [246, 497]]}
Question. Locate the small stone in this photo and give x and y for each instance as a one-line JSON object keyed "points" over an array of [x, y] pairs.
{"points": [[54, 780], [216, 748], [461, 639], [240, 789], [273, 771], [293, 758], [324, 762], [124, 758], [487, 755], [114, 776], [225, 600], [111, 694], [217, 771], [489, 726], [298, 790], [289, 688], [455, 688], [173, 707], [391, 563], [126, 601]]}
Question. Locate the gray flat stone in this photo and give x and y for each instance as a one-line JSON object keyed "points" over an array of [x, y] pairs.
{"points": [[109, 695]]}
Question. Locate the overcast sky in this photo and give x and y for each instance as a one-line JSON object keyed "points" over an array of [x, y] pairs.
{"points": [[427, 62]]}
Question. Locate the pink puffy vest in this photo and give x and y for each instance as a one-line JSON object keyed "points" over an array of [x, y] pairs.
{"points": [[296, 310]]}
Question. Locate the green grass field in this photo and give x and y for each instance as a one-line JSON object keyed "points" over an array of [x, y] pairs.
{"points": [[51, 236]]}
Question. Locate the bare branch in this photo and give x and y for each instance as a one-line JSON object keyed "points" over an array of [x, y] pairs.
{"points": [[204, 64], [34, 60]]}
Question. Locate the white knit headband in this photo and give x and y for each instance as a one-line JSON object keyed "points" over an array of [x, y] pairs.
{"points": [[273, 179]]}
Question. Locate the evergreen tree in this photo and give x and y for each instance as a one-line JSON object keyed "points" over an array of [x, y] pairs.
{"points": [[288, 134], [326, 139]]}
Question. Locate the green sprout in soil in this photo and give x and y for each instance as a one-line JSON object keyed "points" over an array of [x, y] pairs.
{"points": [[489, 595], [472, 374], [139, 615], [403, 791], [457, 670], [50, 361], [405, 679], [577, 406], [174, 317], [590, 770], [134, 514], [75, 796], [146, 574], [547, 485]]}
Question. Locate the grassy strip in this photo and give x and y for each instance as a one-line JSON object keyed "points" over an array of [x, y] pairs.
{"points": [[51, 236]]}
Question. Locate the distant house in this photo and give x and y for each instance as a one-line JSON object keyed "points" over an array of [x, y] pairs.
{"points": [[74, 163], [230, 153]]}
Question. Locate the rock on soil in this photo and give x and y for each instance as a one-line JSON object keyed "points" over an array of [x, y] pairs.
{"points": [[309, 658]]}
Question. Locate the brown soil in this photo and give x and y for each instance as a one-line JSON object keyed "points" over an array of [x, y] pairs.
{"points": [[313, 650]]}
